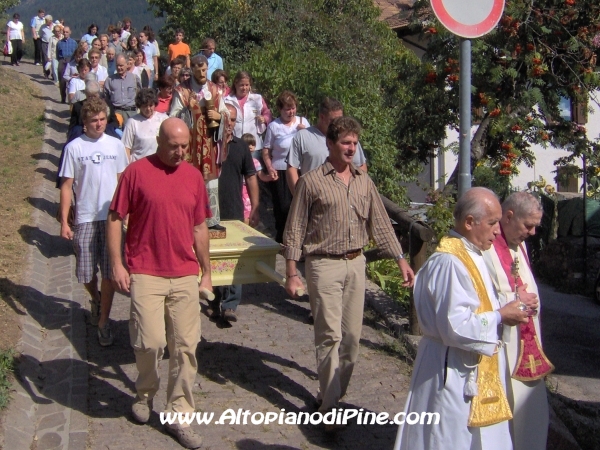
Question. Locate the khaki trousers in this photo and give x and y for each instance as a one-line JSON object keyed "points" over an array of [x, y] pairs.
{"points": [[171, 307], [337, 296]]}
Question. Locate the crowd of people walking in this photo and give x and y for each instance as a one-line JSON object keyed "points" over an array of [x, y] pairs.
{"points": [[157, 155]]}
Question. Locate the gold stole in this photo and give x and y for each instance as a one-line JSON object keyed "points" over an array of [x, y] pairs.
{"points": [[490, 406]]}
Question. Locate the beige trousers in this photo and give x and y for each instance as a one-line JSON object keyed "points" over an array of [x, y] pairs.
{"points": [[165, 312], [337, 296]]}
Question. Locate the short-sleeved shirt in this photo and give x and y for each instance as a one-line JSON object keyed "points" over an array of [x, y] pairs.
{"points": [[214, 62], [46, 32], [238, 165], [181, 49], [140, 134], [37, 23], [151, 52], [164, 205], [93, 164], [101, 73], [15, 30], [121, 91], [279, 139], [89, 38], [309, 151]]}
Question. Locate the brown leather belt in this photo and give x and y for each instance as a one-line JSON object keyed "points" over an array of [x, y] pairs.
{"points": [[349, 256]]}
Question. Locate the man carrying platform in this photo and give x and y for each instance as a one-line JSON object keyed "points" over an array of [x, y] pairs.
{"points": [[335, 211], [166, 242]]}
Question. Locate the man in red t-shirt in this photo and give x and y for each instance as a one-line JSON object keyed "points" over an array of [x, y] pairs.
{"points": [[166, 241], [179, 48]]}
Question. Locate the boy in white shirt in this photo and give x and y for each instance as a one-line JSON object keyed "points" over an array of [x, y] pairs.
{"points": [[91, 167]]}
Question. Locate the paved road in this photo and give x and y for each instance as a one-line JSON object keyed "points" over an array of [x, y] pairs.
{"points": [[73, 394], [571, 334]]}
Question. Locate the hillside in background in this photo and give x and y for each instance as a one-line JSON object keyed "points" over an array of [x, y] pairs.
{"points": [[79, 14]]}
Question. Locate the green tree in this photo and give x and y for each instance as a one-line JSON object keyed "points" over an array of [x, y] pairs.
{"points": [[541, 56], [320, 48], [7, 4]]}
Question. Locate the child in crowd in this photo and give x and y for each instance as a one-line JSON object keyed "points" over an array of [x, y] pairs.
{"points": [[250, 140]]}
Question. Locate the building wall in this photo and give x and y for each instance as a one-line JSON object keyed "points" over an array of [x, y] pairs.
{"points": [[436, 173], [443, 166]]}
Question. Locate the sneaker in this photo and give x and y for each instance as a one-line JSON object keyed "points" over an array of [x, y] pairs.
{"points": [[229, 315], [186, 437], [94, 312], [105, 337], [141, 409], [37, 64]]}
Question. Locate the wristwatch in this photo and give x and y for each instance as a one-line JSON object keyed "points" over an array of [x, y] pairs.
{"points": [[399, 257]]}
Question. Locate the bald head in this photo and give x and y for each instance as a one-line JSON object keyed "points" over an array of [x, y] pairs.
{"points": [[173, 142], [121, 65], [477, 215]]}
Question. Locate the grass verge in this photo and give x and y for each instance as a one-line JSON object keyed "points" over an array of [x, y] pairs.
{"points": [[7, 363], [21, 135]]}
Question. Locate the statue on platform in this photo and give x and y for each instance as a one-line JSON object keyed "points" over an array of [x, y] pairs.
{"points": [[198, 102]]}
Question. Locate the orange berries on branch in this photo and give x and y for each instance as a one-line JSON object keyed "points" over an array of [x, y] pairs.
{"points": [[495, 112], [431, 78]]}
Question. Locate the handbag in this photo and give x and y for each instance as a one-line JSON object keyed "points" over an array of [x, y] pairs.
{"points": [[8, 48]]}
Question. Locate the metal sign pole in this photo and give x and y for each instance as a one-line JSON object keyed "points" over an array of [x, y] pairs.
{"points": [[464, 157]]}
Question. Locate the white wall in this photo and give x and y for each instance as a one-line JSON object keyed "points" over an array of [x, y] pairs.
{"points": [[543, 166]]}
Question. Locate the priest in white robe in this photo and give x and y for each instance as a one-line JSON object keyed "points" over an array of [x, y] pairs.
{"points": [[521, 214], [450, 292]]}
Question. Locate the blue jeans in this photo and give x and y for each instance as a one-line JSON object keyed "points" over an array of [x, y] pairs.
{"points": [[228, 297]]}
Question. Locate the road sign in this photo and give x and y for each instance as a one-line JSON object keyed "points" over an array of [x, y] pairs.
{"points": [[468, 18]]}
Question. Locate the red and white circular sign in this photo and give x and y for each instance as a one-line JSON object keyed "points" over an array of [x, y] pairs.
{"points": [[468, 18]]}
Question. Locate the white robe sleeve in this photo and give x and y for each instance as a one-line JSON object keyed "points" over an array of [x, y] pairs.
{"points": [[455, 301]]}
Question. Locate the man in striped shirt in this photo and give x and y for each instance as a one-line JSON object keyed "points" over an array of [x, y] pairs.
{"points": [[336, 209]]}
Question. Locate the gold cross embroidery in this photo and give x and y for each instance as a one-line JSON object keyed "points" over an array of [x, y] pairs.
{"points": [[533, 364]]}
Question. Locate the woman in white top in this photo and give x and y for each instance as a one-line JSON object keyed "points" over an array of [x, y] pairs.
{"points": [[139, 136], [253, 115], [77, 83], [91, 34], [276, 148], [139, 67], [71, 68], [14, 33]]}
